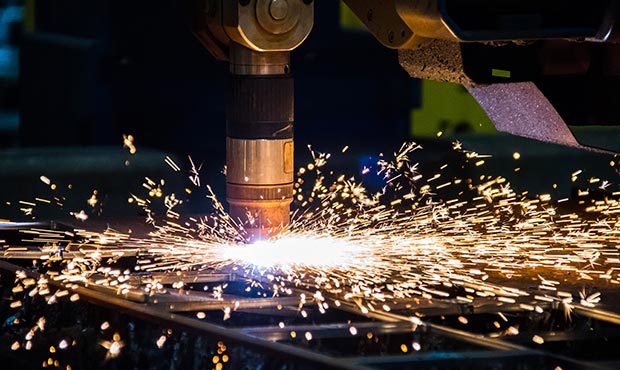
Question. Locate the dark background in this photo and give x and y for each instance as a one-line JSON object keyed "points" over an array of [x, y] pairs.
{"points": [[98, 69]]}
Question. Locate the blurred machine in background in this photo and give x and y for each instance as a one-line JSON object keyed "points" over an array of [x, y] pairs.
{"points": [[11, 15], [533, 66]]}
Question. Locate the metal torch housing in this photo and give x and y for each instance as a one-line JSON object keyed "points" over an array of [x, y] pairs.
{"points": [[256, 37]]}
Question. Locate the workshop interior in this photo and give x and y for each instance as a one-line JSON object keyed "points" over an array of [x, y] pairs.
{"points": [[300, 184]]}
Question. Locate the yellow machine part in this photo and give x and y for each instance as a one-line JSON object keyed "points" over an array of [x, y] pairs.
{"points": [[348, 19], [445, 108], [29, 15], [448, 108]]}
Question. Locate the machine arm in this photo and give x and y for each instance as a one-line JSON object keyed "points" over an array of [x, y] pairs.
{"points": [[532, 65]]}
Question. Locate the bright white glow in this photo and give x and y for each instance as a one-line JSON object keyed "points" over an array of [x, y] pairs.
{"points": [[115, 349], [295, 251]]}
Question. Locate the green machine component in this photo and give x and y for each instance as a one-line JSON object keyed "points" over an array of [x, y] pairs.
{"points": [[446, 109]]}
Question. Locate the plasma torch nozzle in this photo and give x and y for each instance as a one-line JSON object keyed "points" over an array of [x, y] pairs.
{"points": [[259, 145]]}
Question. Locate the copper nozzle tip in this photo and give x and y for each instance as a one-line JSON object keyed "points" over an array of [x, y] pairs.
{"points": [[261, 220]]}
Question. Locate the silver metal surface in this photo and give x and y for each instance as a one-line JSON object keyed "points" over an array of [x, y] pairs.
{"points": [[259, 162], [596, 313], [335, 330], [190, 303], [522, 109], [244, 61]]}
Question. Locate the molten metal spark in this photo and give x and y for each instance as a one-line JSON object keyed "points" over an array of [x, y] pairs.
{"points": [[370, 249]]}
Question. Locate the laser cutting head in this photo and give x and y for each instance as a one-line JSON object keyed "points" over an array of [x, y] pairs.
{"points": [[259, 144], [256, 37]]}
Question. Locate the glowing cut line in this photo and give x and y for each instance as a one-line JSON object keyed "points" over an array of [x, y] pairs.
{"points": [[296, 251]]}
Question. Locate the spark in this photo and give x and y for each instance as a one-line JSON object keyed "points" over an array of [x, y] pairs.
{"points": [[170, 162], [347, 245], [128, 143], [604, 185], [589, 300], [41, 323], [512, 331], [82, 216], [160, 342], [92, 201], [114, 346], [194, 173], [354, 245]]}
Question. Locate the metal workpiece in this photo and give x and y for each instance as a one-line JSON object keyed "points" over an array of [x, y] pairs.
{"points": [[253, 326], [515, 57]]}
